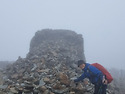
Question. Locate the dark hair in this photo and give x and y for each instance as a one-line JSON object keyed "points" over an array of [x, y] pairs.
{"points": [[80, 62]]}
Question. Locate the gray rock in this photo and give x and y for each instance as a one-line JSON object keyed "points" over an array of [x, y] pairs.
{"points": [[41, 83], [62, 91], [3, 86], [13, 90], [34, 67]]}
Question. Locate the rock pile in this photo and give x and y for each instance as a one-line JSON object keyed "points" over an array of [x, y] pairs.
{"points": [[49, 66], [34, 76]]}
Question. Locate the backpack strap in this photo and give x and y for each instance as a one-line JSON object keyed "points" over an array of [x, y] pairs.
{"points": [[91, 73]]}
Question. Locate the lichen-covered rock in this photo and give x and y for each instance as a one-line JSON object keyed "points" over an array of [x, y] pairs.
{"points": [[63, 78]]}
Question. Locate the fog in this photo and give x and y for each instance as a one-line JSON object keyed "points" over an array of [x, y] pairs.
{"points": [[102, 24]]}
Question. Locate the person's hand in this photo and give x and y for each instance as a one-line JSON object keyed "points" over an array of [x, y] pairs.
{"points": [[104, 81], [73, 79], [86, 82]]}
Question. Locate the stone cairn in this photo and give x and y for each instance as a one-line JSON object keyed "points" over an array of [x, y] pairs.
{"points": [[49, 67]]}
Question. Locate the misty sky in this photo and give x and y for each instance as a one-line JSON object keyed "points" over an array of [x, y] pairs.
{"points": [[101, 22]]}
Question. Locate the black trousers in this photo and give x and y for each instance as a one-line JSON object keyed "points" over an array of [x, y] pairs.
{"points": [[100, 88]]}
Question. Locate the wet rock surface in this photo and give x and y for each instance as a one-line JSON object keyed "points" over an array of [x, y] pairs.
{"points": [[49, 67]]}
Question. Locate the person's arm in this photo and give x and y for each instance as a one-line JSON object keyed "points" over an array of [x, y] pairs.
{"points": [[80, 78]]}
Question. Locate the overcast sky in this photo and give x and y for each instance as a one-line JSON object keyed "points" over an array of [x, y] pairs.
{"points": [[101, 22]]}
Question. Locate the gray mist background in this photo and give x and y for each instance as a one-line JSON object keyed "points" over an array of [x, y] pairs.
{"points": [[101, 22]]}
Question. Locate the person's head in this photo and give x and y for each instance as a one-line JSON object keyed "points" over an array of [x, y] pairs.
{"points": [[81, 64]]}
